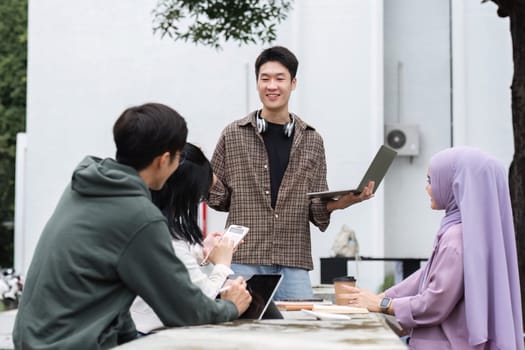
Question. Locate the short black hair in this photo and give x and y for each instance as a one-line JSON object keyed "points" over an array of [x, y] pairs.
{"points": [[144, 132], [279, 54], [184, 190]]}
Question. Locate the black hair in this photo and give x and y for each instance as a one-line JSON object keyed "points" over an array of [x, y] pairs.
{"points": [[279, 54], [144, 132], [184, 190]]}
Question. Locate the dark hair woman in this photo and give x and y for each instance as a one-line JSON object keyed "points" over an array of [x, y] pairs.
{"points": [[179, 201]]}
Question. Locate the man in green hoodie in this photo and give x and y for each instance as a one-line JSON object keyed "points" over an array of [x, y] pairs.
{"points": [[106, 243]]}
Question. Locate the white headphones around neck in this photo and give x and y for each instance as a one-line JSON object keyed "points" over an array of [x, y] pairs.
{"points": [[262, 125]]}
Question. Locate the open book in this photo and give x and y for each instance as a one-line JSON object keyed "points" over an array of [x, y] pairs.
{"points": [[325, 316], [306, 304], [339, 309], [334, 312]]}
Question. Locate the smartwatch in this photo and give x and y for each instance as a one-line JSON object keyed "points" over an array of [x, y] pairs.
{"points": [[385, 304]]}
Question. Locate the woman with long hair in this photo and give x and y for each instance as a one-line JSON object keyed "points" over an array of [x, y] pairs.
{"points": [[179, 201]]}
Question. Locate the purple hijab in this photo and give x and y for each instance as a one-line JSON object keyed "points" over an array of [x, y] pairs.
{"points": [[472, 188]]}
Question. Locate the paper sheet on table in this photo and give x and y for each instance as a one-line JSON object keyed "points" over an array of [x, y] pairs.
{"points": [[324, 316]]}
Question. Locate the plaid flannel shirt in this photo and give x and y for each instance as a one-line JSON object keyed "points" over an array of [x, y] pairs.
{"points": [[279, 236]]}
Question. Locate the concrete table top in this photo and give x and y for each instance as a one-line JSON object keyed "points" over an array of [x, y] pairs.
{"points": [[296, 331]]}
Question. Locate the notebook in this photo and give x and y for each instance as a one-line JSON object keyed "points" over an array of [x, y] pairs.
{"points": [[262, 287], [375, 172]]}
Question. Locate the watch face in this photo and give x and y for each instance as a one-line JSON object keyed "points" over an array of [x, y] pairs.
{"points": [[385, 302]]}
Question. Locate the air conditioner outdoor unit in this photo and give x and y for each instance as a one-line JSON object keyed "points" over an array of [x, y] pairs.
{"points": [[403, 138]]}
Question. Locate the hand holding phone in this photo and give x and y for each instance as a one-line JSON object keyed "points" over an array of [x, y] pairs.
{"points": [[222, 252], [235, 233]]}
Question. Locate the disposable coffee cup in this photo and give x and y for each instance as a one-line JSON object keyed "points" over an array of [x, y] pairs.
{"points": [[342, 296]]}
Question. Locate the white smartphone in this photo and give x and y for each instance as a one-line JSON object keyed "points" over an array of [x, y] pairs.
{"points": [[236, 233]]}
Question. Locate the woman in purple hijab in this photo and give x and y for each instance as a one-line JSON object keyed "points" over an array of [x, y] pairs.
{"points": [[468, 294]]}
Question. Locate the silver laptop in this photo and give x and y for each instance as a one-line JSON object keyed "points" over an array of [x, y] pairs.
{"points": [[376, 171]]}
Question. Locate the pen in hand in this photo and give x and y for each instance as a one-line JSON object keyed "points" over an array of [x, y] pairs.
{"points": [[212, 236], [205, 260], [220, 252]]}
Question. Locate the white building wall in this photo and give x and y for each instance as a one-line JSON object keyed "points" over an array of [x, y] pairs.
{"points": [[483, 68], [417, 91], [89, 60], [454, 83]]}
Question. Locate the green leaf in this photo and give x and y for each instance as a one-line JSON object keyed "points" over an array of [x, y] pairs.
{"points": [[214, 22]]}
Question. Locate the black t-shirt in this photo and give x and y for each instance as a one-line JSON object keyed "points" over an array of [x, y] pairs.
{"points": [[278, 146]]}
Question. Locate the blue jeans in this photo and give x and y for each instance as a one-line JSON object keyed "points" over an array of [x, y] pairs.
{"points": [[294, 285]]}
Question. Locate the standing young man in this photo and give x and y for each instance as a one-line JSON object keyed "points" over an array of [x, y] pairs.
{"points": [[266, 162], [106, 242]]}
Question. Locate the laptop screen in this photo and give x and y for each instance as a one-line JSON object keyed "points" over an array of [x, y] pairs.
{"points": [[375, 172], [378, 168]]}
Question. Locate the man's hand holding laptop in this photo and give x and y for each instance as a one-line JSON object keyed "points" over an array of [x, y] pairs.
{"points": [[366, 188], [351, 198]]}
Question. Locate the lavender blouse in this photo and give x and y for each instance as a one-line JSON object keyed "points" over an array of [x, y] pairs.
{"points": [[436, 315]]}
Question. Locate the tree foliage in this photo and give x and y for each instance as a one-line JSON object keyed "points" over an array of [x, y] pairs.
{"points": [[210, 22], [13, 62]]}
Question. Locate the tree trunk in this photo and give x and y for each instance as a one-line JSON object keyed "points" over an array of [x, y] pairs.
{"points": [[517, 169], [515, 10]]}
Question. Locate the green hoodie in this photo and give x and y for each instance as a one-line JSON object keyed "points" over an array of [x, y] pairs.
{"points": [[104, 244]]}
